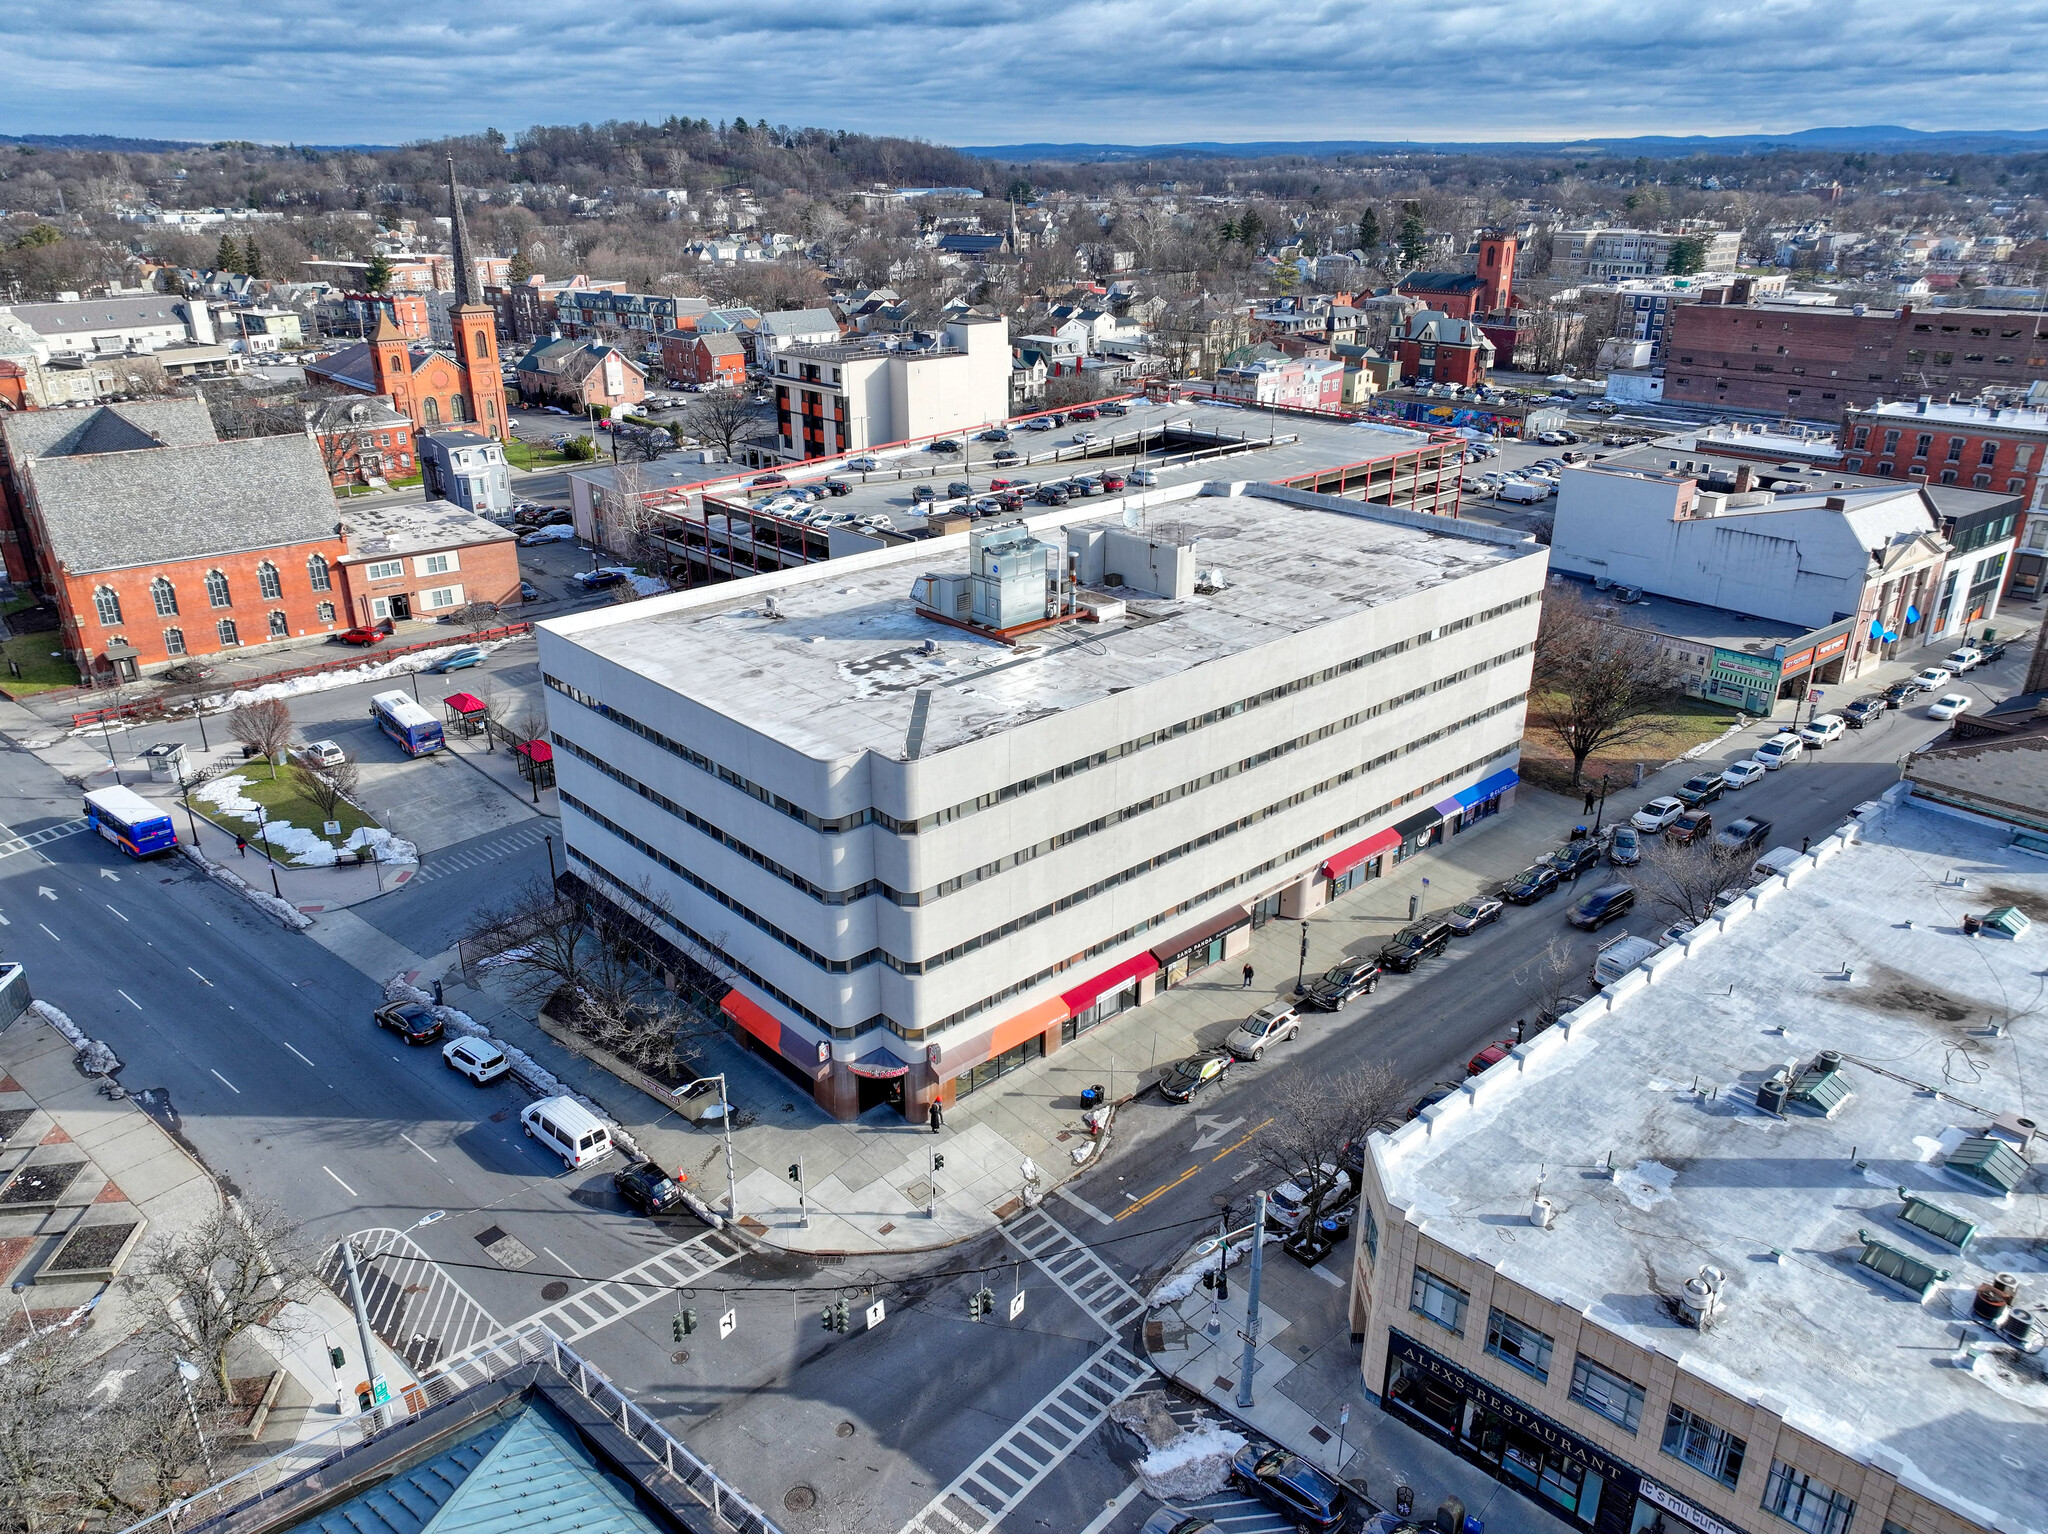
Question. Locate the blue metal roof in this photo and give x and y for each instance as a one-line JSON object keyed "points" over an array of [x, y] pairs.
{"points": [[407, 1502], [538, 1476]]}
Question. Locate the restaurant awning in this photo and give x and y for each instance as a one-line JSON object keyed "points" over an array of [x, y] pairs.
{"points": [[1086, 994], [879, 1065], [1486, 788], [754, 1018], [1338, 864], [1195, 937], [1418, 823]]}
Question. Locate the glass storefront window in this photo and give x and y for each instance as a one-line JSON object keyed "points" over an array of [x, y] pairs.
{"points": [[1031, 1049]]}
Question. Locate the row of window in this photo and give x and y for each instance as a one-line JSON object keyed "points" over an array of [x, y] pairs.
{"points": [[1796, 1496], [228, 633], [164, 595], [1052, 775], [1946, 477]]}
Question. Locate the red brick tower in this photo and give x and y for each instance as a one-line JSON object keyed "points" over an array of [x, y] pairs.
{"points": [[391, 362], [1496, 271], [476, 328]]}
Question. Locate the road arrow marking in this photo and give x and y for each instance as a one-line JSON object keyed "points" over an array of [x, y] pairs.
{"points": [[46, 892], [108, 873], [1211, 1131]]}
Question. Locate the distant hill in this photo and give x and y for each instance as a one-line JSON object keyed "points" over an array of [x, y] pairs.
{"points": [[108, 142], [1874, 138]]}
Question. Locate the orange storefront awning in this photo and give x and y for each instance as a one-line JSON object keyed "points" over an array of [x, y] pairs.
{"points": [[1035, 1020], [754, 1018]]}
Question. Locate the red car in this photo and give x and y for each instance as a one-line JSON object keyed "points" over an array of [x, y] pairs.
{"points": [[1085, 413], [363, 636], [769, 479], [1112, 482], [1493, 1054]]}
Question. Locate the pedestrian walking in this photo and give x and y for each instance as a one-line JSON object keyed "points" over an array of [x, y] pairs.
{"points": [[1590, 797], [1247, 977], [936, 1115]]}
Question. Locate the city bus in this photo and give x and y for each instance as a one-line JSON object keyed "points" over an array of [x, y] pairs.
{"points": [[416, 731], [130, 821]]}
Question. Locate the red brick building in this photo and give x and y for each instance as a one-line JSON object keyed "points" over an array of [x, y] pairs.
{"points": [[141, 526], [581, 374], [423, 560], [1470, 295], [1817, 362], [1437, 348], [714, 360], [361, 440]]}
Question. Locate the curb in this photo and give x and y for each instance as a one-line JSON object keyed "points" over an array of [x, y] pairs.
{"points": [[283, 912]]}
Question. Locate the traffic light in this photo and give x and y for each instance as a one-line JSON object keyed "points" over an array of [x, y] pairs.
{"points": [[938, 1163], [336, 1358], [842, 1320], [1208, 1278], [830, 1326], [796, 1172], [981, 1303], [676, 1327], [689, 1320]]}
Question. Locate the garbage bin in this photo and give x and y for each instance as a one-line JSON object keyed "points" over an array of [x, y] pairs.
{"points": [[1091, 1096], [165, 762]]}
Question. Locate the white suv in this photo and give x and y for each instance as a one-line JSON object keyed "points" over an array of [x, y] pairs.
{"points": [[1779, 750]]}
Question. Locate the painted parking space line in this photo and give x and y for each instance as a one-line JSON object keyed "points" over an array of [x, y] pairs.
{"points": [[351, 1192]]}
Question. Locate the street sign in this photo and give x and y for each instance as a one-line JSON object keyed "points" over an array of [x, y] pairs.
{"points": [[726, 1323], [1017, 1304], [876, 1312], [380, 1390]]}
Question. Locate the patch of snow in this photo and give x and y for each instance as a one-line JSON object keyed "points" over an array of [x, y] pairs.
{"points": [[94, 1057], [1196, 1464], [304, 848], [1200, 1258], [281, 911]]}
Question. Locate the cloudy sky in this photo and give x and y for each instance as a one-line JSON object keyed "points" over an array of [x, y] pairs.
{"points": [[1002, 71]]}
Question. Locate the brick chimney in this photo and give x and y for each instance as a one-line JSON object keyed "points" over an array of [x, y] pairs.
{"points": [[1743, 479]]}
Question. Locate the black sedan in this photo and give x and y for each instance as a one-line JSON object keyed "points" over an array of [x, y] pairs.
{"points": [[1704, 789], [1330, 990], [1574, 857], [943, 445], [1530, 885], [647, 1188], [1291, 1485], [1602, 906], [1469, 917], [1184, 1078], [1746, 834], [411, 1021], [1895, 696]]}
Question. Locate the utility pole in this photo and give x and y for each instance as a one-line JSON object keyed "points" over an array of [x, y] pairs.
{"points": [[1251, 1303], [1301, 967], [732, 1187], [363, 1337]]}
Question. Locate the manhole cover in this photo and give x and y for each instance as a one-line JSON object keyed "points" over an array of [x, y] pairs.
{"points": [[845, 1430], [554, 1291], [799, 1499], [679, 1356]]}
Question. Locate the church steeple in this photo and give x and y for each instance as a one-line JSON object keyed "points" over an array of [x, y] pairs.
{"points": [[458, 238]]}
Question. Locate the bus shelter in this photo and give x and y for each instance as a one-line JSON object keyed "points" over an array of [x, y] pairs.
{"points": [[467, 713], [536, 762]]}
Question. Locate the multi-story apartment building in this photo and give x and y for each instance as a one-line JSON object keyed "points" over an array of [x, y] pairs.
{"points": [[1816, 362], [1728, 1248], [1603, 253], [634, 319], [1298, 383], [924, 859], [852, 395]]}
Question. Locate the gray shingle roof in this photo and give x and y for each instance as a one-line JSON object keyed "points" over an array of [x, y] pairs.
{"points": [[87, 314], [116, 511], [800, 322], [50, 433]]}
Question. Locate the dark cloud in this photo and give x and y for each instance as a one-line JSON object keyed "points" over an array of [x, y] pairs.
{"points": [[1000, 71]]}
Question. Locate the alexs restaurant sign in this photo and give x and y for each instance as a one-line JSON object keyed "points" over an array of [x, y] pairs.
{"points": [[1511, 1411]]}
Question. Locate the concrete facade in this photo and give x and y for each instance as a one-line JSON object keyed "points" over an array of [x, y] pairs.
{"points": [[930, 881], [858, 395]]}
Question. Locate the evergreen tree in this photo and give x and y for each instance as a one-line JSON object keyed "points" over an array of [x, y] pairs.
{"points": [[1414, 237], [1249, 228], [1688, 255], [229, 257], [378, 277], [252, 257], [1368, 230], [1228, 233], [520, 268]]}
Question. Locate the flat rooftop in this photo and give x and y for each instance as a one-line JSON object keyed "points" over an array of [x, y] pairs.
{"points": [[1863, 953], [416, 527], [836, 673], [1706, 625]]}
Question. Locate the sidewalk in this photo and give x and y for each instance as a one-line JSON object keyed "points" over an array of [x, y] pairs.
{"points": [[1305, 1374]]}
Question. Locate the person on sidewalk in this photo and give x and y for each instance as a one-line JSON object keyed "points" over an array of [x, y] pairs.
{"points": [[1247, 977], [936, 1116]]}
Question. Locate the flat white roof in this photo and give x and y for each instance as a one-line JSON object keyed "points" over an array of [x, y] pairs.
{"points": [[836, 673], [379, 532], [1862, 952], [2001, 418]]}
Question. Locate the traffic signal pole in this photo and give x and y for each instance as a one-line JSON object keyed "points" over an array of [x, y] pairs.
{"points": [[363, 1338], [1251, 1304], [803, 1208]]}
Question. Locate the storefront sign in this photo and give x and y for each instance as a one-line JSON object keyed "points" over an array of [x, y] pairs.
{"points": [[1757, 670], [1834, 646], [1512, 1411], [1672, 1502], [1797, 662]]}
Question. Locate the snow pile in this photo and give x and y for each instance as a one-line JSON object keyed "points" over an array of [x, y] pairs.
{"points": [[323, 681], [1196, 1464], [532, 1075], [281, 911], [1198, 1259], [304, 848], [94, 1058]]}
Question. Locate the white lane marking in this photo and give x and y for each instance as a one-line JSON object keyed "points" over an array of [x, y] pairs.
{"points": [[559, 1258], [1326, 1275], [110, 908], [409, 1140], [295, 1051], [52, 934], [345, 1187], [202, 979], [1085, 1207], [127, 998], [227, 1083], [1112, 1507]]}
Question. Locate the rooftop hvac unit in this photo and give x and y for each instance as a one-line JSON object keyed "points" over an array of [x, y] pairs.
{"points": [[1771, 1094]]}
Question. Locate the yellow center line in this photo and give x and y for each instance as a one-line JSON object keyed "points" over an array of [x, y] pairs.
{"points": [[1240, 1144], [1162, 1188]]}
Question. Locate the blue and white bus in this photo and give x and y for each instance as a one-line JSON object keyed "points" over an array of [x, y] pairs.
{"points": [[130, 821], [416, 731]]}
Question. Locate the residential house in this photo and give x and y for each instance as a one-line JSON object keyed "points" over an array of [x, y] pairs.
{"points": [[581, 374], [713, 361], [467, 470], [1295, 383], [1436, 348], [792, 327], [361, 439], [424, 560]]}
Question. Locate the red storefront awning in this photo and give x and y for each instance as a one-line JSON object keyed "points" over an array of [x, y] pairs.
{"points": [[1338, 864], [1086, 994]]}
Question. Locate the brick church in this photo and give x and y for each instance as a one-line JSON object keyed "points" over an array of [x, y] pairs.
{"points": [[433, 386]]}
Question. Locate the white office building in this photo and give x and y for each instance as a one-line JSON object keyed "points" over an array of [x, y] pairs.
{"points": [[852, 395], [938, 808]]}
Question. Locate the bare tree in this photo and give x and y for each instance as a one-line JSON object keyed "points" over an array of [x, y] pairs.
{"points": [[209, 1284], [329, 786], [1316, 1116], [724, 419], [266, 725], [1597, 683], [1684, 879], [1555, 981]]}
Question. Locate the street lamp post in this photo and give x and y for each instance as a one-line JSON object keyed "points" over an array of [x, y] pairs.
{"points": [[187, 1373], [1301, 967], [1600, 805]]}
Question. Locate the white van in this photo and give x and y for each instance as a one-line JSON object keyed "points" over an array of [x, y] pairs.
{"points": [[1775, 862], [1522, 492], [1618, 956], [568, 1129]]}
